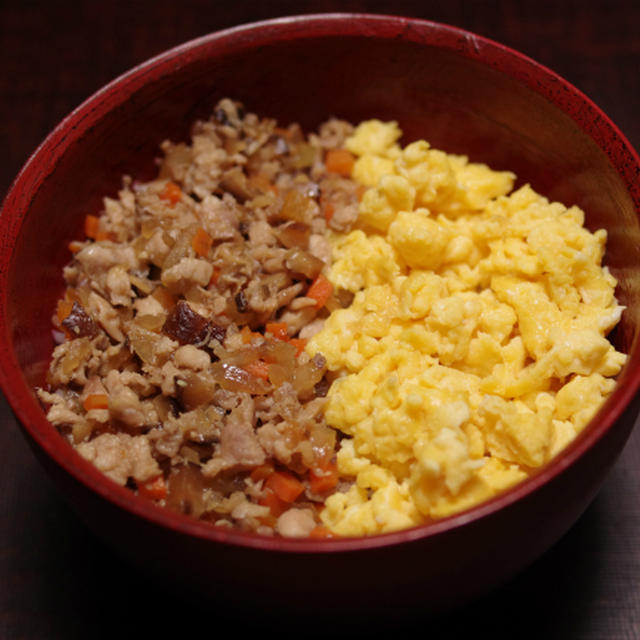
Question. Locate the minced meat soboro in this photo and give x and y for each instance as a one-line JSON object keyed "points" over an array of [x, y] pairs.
{"points": [[180, 370]]}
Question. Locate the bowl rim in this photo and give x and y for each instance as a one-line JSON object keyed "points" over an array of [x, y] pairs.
{"points": [[515, 64]]}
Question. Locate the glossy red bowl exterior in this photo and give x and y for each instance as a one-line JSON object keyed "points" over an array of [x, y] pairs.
{"points": [[461, 92]]}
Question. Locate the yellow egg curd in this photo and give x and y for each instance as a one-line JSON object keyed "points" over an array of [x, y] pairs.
{"points": [[475, 347]]}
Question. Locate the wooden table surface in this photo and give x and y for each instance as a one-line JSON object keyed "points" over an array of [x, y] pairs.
{"points": [[56, 579]]}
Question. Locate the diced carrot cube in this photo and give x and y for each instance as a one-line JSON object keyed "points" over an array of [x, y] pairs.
{"points": [[285, 485], [339, 161], [278, 330], [275, 504], [154, 489], [96, 401], [299, 344], [320, 290], [202, 243], [323, 479], [172, 193], [215, 276], [328, 210]]}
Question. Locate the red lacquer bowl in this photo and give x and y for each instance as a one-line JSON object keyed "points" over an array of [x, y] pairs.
{"points": [[461, 92]]}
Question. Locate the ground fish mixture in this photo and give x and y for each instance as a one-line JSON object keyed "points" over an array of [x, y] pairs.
{"points": [[180, 370]]}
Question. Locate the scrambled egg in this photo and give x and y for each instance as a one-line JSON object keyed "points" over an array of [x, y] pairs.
{"points": [[475, 347]]}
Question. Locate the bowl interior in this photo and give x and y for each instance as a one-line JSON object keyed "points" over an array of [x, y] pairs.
{"points": [[462, 94]]}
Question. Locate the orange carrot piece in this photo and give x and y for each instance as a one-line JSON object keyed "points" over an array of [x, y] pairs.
{"points": [[64, 309], [320, 290], [258, 369], [275, 504], [201, 242], [299, 344], [172, 193], [328, 210], [277, 329], [285, 485], [91, 226], [215, 276], [323, 479], [339, 161], [96, 401], [74, 246], [154, 489], [321, 532]]}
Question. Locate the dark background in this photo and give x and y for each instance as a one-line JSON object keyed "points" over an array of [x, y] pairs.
{"points": [[56, 579]]}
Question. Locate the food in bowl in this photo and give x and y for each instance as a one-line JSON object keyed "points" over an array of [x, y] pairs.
{"points": [[328, 334], [475, 347]]}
